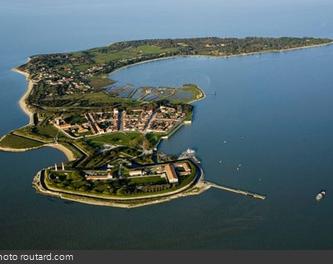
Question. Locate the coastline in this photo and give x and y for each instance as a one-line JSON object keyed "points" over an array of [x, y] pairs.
{"points": [[203, 96], [25, 108], [196, 190], [69, 155], [221, 56], [200, 186], [22, 102]]}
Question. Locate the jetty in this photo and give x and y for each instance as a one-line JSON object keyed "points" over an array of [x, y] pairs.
{"points": [[238, 191]]}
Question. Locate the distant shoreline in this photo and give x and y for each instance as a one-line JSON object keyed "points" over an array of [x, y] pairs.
{"points": [[222, 56]]}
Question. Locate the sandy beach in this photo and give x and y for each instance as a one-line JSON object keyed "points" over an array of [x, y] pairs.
{"points": [[22, 102], [70, 156], [25, 108]]}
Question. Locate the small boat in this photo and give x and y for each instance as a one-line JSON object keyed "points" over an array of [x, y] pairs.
{"points": [[320, 195], [190, 151]]}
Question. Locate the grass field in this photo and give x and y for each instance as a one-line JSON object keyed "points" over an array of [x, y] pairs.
{"points": [[186, 94], [44, 133], [17, 142], [100, 81], [127, 53], [147, 180], [194, 90], [153, 138], [96, 99], [131, 139]]}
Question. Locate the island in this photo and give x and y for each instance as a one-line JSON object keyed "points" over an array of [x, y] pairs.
{"points": [[109, 133]]}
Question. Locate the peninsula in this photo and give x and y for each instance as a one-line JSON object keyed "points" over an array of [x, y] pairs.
{"points": [[111, 133]]}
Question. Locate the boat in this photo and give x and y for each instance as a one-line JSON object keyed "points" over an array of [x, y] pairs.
{"points": [[190, 151], [189, 154], [320, 195]]}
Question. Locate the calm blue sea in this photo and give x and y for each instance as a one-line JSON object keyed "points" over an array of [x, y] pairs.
{"points": [[270, 115]]}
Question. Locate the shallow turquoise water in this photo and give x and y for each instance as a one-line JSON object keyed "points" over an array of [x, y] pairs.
{"points": [[274, 111]]}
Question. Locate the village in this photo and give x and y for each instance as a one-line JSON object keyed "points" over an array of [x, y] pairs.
{"points": [[65, 80], [143, 119]]}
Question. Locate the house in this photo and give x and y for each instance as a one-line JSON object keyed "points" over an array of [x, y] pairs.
{"points": [[171, 173], [98, 175], [134, 173]]}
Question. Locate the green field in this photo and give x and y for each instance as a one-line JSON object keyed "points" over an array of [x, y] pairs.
{"points": [[45, 133], [153, 138], [17, 142], [100, 81], [130, 139], [194, 90], [101, 55], [76, 102], [186, 94], [147, 180]]}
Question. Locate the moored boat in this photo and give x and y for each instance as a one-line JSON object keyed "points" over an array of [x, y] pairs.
{"points": [[320, 195]]}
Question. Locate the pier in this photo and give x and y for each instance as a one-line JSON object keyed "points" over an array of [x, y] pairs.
{"points": [[238, 191]]}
